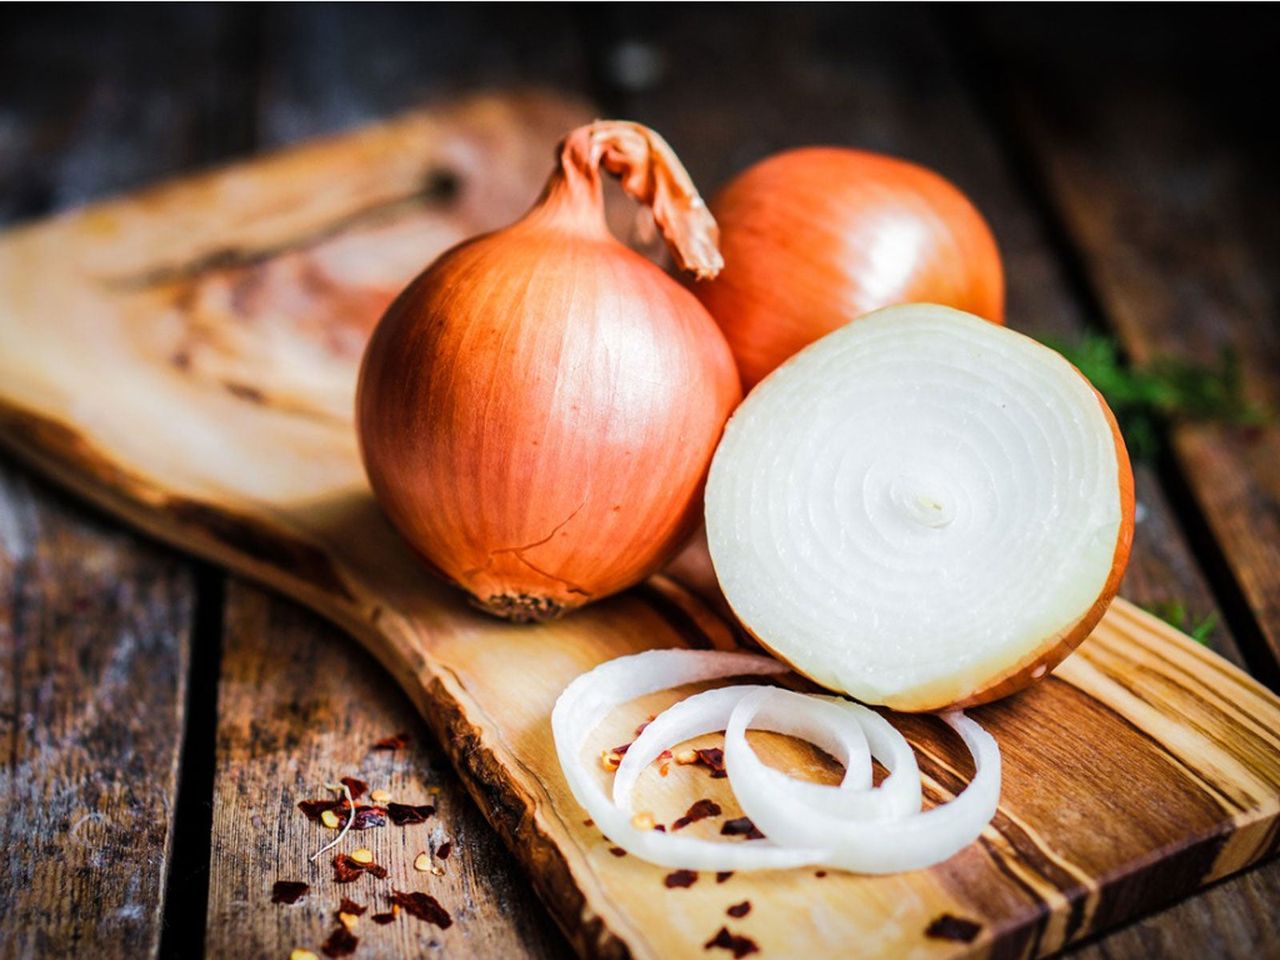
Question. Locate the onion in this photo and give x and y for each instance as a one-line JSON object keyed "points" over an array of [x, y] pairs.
{"points": [[852, 826], [537, 410], [921, 510], [814, 238]]}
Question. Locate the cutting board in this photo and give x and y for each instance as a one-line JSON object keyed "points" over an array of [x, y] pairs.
{"points": [[186, 358]]}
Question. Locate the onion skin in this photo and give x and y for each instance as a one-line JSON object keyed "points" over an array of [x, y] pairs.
{"points": [[815, 237], [538, 409]]}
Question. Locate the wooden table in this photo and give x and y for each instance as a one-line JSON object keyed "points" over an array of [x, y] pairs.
{"points": [[141, 691]]}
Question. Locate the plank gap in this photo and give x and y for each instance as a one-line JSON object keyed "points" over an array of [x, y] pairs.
{"points": [[187, 892]]}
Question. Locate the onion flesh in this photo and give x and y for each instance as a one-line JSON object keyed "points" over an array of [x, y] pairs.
{"points": [[852, 826], [922, 509]]}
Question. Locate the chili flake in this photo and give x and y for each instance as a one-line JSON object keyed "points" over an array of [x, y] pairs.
{"points": [[739, 946], [362, 855], [357, 787], [948, 927], [346, 870], [617, 851], [315, 808], [341, 943], [713, 759], [444, 850], [723, 875], [740, 826], [739, 910], [350, 906], [422, 862], [395, 742], [404, 814], [680, 878], [700, 810], [383, 918], [289, 891], [424, 907], [379, 796]]}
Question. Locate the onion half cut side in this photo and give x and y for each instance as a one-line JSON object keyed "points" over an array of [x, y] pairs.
{"points": [[922, 509], [853, 825]]}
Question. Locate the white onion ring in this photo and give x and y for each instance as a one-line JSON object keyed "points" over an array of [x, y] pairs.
{"points": [[851, 826], [863, 845]]}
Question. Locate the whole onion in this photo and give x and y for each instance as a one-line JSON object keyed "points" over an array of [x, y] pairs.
{"points": [[816, 237], [537, 410]]}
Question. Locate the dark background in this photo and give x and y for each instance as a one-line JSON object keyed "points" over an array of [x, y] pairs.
{"points": [[1126, 157]]}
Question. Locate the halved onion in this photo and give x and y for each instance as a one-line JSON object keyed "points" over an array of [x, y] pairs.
{"points": [[921, 509]]}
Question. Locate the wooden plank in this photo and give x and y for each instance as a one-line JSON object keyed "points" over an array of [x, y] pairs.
{"points": [[313, 80], [1186, 791], [298, 707], [1170, 195], [94, 647], [95, 623], [727, 91]]}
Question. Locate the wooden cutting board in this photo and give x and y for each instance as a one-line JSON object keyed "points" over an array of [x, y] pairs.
{"points": [[186, 358]]}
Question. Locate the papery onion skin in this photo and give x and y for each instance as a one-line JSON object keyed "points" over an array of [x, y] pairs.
{"points": [[815, 237], [537, 410]]}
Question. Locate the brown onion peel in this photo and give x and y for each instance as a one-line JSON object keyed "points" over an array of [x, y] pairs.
{"points": [[537, 410]]}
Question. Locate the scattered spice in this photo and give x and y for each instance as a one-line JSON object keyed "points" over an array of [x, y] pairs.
{"points": [[713, 759], [948, 927], [424, 907], [350, 906], [348, 920], [330, 820], [422, 862], [621, 750], [739, 946], [680, 878], [739, 910], [723, 875], [396, 742], [444, 850], [664, 765], [617, 851], [588, 822], [383, 918], [346, 870], [404, 814], [289, 891], [374, 870], [362, 855], [643, 821], [350, 805], [609, 760], [341, 943], [437, 870], [357, 787], [686, 757], [640, 729], [367, 817], [379, 796], [315, 808], [301, 954], [700, 810], [660, 828], [819, 874], [740, 827]]}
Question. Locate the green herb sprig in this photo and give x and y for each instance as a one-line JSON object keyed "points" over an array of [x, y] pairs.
{"points": [[1175, 613]]}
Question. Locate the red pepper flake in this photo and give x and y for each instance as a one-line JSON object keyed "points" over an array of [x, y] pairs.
{"points": [[660, 828], [341, 943], [723, 875], [588, 822], [444, 850], [368, 817], [680, 878], [313, 808], [396, 742], [739, 910], [621, 751], [819, 874], [376, 870], [700, 810], [346, 870], [383, 918], [739, 827], [424, 907], [617, 851], [288, 891], [350, 906], [404, 814], [738, 945], [664, 762], [947, 927], [713, 759], [640, 729], [357, 787]]}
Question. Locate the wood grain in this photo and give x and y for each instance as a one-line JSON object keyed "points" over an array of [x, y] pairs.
{"points": [[299, 708], [266, 480], [94, 648]]}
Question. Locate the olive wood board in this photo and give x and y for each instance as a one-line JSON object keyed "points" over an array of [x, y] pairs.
{"points": [[185, 358]]}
